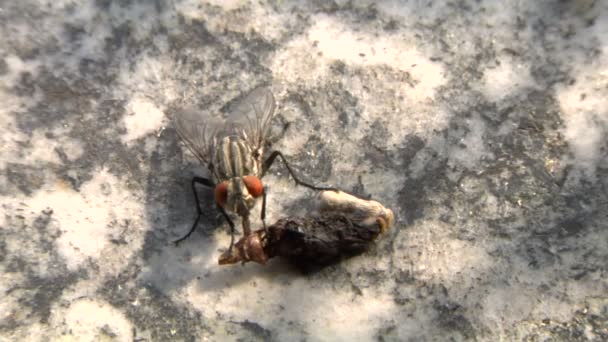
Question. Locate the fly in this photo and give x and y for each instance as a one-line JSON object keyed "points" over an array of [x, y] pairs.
{"points": [[232, 148]]}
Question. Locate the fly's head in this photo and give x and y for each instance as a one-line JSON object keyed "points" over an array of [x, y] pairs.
{"points": [[238, 194]]}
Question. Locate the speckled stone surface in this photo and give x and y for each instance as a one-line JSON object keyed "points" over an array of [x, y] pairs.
{"points": [[482, 124]]}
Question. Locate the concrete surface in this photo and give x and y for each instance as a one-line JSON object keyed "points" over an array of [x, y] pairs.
{"points": [[482, 124]]}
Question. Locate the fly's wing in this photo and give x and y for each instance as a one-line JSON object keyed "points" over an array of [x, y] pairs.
{"points": [[196, 131], [251, 116]]}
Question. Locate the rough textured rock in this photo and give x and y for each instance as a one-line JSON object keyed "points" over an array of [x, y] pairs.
{"points": [[482, 124]]}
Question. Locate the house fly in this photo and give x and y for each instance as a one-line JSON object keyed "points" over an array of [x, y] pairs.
{"points": [[345, 225], [231, 145]]}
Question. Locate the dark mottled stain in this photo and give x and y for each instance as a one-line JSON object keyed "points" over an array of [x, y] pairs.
{"points": [[194, 34], [411, 145], [314, 163], [252, 44], [374, 149], [338, 67], [579, 328], [26, 86], [74, 33], [42, 293], [359, 189], [412, 199], [3, 67], [387, 333], [24, 177], [258, 331], [329, 7], [103, 5], [62, 103], [121, 36], [404, 277], [347, 106], [451, 318], [37, 294], [302, 103], [391, 25], [3, 249], [413, 195], [573, 226]]}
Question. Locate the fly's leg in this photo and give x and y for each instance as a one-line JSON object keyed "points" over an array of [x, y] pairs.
{"points": [[263, 215], [230, 223], [268, 163], [202, 181]]}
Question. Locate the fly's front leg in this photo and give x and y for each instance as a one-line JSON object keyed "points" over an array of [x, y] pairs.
{"points": [[230, 223], [263, 214], [268, 163], [202, 181]]}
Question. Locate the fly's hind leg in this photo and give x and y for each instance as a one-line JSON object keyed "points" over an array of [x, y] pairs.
{"points": [[273, 156], [205, 182]]}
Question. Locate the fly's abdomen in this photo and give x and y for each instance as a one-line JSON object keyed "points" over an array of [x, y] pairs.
{"points": [[232, 158]]}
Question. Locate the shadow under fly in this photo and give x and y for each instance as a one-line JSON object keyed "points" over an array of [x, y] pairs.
{"points": [[232, 147]]}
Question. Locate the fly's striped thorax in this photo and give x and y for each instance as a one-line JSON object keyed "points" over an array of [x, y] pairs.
{"points": [[233, 157]]}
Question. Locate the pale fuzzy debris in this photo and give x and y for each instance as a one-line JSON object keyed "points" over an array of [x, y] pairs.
{"points": [[364, 212]]}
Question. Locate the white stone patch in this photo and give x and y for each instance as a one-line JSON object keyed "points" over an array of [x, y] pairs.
{"points": [[143, 118], [584, 108], [506, 305], [298, 62], [158, 81], [91, 320], [584, 104], [338, 42], [307, 57], [84, 216], [307, 302], [506, 78]]}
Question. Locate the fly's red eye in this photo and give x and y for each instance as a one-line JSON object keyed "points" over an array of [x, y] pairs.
{"points": [[221, 193], [254, 185]]}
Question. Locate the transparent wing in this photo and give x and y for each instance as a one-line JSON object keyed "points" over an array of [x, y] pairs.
{"points": [[193, 127], [249, 117]]}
